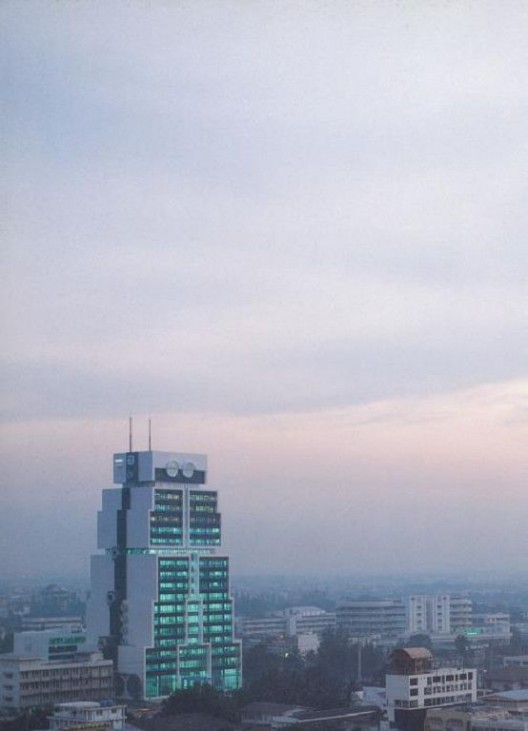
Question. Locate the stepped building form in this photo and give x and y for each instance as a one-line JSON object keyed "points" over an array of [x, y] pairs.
{"points": [[160, 603]]}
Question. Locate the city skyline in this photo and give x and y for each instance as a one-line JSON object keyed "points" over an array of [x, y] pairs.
{"points": [[295, 236]]}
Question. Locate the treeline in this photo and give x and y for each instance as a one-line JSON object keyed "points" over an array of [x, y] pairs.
{"points": [[325, 679]]}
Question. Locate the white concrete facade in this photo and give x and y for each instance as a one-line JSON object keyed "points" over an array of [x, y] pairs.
{"points": [[27, 682], [438, 613], [87, 714], [425, 690], [51, 644]]}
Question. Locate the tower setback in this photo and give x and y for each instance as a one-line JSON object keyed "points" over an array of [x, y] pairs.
{"points": [[160, 601]]}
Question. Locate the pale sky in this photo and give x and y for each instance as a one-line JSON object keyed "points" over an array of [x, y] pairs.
{"points": [[295, 234]]}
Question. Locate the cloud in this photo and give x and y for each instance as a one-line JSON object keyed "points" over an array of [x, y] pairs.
{"points": [[399, 482], [247, 214]]}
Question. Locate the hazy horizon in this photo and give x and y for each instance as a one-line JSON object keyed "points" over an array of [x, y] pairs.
{"points": [[293, 234]]}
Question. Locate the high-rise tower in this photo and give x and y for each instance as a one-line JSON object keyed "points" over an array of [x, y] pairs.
{"points": [[160, 603]]}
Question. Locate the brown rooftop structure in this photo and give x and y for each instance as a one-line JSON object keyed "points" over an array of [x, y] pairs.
{"points": [[411, 660]]}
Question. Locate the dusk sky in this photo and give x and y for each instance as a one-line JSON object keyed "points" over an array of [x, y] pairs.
{"points": [[295, 234]]}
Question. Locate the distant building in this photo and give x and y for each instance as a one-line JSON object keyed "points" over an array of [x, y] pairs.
{"points": [[471, 717], [461, 612], [511, 677], [494, 625], [413, 686], [262, 715], [293, 621], [39, 624], [29, 682], [438, 613], [51, 644], [516, 661], [302, 620], [514, 701], [102, 716], [363, 618]]}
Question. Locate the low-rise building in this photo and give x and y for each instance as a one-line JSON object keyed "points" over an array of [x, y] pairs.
{"points": [[469, 717], [364, 618], [52, 644], [516, 661], [514, 701], [34, 682], [413, 686], [290, 622], [102, 716]]}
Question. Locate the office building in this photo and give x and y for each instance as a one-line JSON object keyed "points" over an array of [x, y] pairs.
{"points": [[384, 619], [33, 682], [160, 602]]}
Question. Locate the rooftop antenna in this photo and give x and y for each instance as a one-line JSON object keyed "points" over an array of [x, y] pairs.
{"points": [[150, 434], [130, 434]]}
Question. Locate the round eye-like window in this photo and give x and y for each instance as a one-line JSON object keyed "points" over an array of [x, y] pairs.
{"points": [[172, 468], [188, 469]]}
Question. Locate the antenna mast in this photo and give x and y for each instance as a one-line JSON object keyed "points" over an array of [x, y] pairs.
{"points": [[130, 434], [150, 434]]}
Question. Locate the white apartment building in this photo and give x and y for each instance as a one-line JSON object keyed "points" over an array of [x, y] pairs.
{"points": [[105, 715], [438, 613], [413, 686]]}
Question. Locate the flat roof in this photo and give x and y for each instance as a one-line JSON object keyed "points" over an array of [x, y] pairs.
{"points": [[512, 695]]}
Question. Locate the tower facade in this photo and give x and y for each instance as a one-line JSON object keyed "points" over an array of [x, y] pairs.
{"points": [[160, 601]]}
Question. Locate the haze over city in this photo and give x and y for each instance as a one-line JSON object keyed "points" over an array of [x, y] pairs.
{"points": [[293, 234]]}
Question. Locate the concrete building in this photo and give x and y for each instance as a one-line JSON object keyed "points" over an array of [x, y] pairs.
{"points": [[41, 624], [160, 603], [514, 701], [495, 625], [460, 612], [303, 620], [438, 613], [469, 717], [51, 644], [33, 682], [103, 716], [293, 621], [506, 724], [413, 686], [516, 661], [364, 618]]}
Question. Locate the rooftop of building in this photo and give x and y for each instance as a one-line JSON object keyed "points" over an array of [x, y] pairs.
{"points": [[183, 722], [84, 705], [265, 709], [511, 695], [307, 611], [417, 653]]}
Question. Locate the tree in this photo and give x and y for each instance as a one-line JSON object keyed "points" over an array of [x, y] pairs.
{"points": [[462, 646], [203, 698]]}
